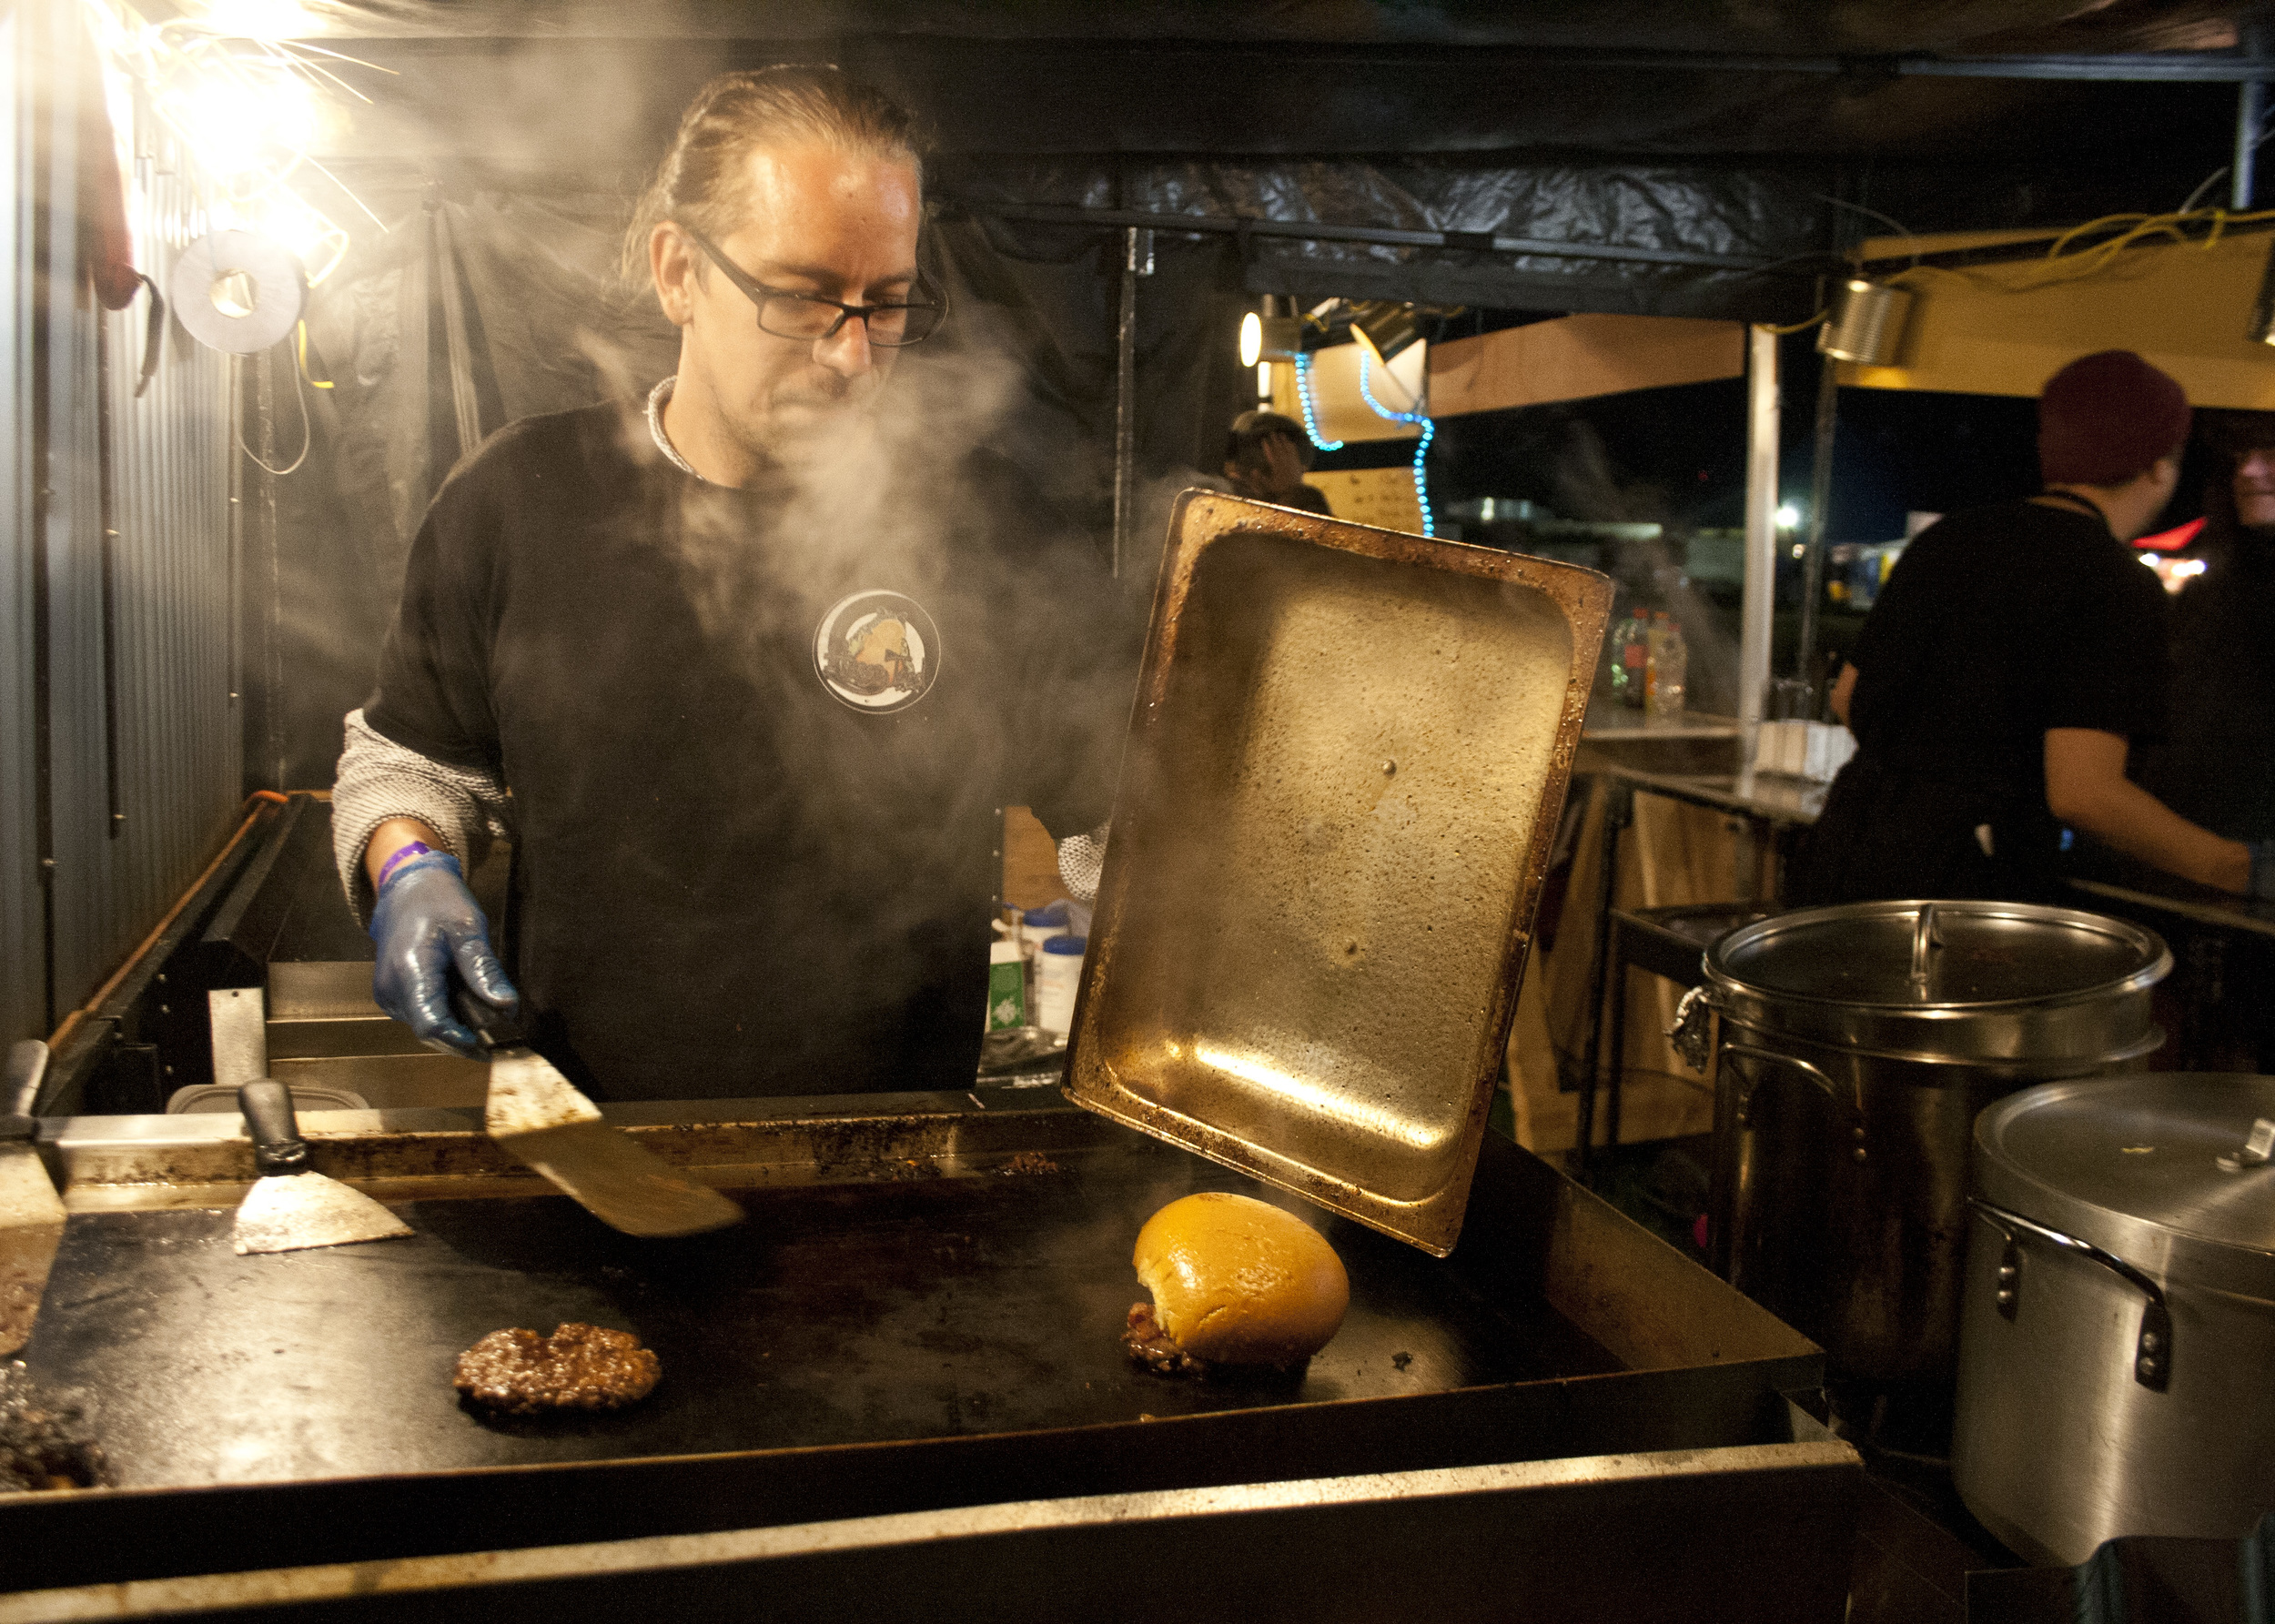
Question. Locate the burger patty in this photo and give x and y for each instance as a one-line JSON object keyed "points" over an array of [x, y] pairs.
{"points": [[579, 1367], [1152, 1347]]}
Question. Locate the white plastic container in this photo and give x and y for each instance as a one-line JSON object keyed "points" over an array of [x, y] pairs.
{"points": [[1058, 972]]}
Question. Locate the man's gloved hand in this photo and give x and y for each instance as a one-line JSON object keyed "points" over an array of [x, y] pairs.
{"points": [[2263, 870], [425, 921]]}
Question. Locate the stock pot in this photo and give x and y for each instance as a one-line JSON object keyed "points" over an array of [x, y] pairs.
{"points": [[2117, 1356], [1854, 1047]]}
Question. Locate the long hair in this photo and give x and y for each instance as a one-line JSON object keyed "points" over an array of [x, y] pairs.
{"points": [[700, 177]]}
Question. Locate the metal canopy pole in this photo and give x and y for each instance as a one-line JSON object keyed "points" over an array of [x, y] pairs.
{"points": [[1760, 602], [2250, 107], [1137, 261], [1820, 499]]}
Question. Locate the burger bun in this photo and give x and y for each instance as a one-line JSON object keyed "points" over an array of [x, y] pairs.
{"points": [[1237, 1281]]}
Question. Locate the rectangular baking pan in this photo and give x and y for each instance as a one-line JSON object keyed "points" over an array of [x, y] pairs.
{"points": [[1345, 766]]}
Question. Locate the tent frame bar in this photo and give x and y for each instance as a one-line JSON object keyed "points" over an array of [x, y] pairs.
{"points": [[1314, 231]]}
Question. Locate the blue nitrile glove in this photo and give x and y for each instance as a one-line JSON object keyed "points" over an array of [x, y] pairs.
{"points": [[425, 921], [2263, 870]]}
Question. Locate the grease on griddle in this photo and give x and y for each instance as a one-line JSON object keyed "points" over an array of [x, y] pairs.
{"points": [[45, 1439], [578, 1367], [1030, 1161]]}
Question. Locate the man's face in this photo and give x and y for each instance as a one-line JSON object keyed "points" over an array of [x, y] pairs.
{"points": [[815, 219], [2255, 488]]}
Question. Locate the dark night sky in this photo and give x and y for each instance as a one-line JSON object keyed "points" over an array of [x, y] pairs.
{"points": [[1680, 453]]}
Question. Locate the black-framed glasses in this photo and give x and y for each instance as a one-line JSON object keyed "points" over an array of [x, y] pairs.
{"points": [[812, 317]]}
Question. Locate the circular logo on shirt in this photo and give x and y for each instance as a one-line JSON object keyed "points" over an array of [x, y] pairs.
{"points": [[877, 651]]}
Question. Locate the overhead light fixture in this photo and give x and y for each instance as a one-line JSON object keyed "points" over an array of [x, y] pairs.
{"points": [[2263, 308], [1866, 324], [1273, 334], [1384, 328]]}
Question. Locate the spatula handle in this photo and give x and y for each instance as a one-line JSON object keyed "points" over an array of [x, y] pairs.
{"points": [[278, 1147], [497, 1029]]}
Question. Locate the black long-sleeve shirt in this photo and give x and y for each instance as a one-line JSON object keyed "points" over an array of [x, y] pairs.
{"points": [[757, 742]]}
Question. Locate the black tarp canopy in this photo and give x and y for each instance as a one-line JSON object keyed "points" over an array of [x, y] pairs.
{"points": [[1655, 156]]}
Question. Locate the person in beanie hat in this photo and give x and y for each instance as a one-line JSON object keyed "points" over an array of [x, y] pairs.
{"points": [[2015, 656]]}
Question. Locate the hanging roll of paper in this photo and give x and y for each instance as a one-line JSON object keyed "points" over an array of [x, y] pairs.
{"points": [[238, 291]]}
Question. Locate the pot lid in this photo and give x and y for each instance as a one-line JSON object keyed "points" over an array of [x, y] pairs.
{"points": [[2154, 1168], [1914, 955]]}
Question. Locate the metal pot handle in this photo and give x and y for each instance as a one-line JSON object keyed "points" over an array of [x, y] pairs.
{"points": [[1814, 1074], [2153, 1350], [1690, 1034], [1927, 936]]}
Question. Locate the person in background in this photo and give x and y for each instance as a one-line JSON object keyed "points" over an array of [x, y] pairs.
{"points": [[1265, 455], [2217, 763], [2013, 656]]}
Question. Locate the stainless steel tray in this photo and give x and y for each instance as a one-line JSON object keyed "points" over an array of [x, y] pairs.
{"points": [[1345, 766]]}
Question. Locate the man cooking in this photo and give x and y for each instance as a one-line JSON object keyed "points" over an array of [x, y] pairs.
{"points": [[746, 675], [2013, 656]]}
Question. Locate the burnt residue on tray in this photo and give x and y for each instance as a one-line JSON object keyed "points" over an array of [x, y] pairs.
{"points": [[47, 1440]]}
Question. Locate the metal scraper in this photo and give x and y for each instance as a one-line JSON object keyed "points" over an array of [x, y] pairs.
{"points": [[31, 1213], [291, 1207], [537, 1116]]}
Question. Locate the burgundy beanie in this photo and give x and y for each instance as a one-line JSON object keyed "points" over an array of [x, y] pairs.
{"points": [[2105, 417]]}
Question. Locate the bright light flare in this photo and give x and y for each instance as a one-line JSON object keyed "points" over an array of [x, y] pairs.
{"points": [[1788, 517], [1252, 338], [319, 243], [1332, 1104], [256, 20], [2174, 573]]}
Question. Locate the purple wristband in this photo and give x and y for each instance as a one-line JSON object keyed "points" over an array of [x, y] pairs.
{"points": [[417, 848]]}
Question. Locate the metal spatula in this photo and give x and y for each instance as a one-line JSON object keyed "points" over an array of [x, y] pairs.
{"points": [[537, 1116], [292, 1207], [31, 1213]]}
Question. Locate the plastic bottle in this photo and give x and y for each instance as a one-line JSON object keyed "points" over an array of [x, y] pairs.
{"points": [[1666, 669], [1628, 654], [1057, 973], [1036, 926]]}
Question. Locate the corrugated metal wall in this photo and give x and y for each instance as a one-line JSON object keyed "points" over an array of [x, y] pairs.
{"points": [[118, 727], [23, 937]]}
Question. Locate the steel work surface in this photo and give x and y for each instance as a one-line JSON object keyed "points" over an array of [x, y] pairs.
{"points": [[836, 1314], [934, 1334]]}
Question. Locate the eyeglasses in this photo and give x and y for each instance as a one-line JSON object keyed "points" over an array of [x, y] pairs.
{"points": [[812, 317]]}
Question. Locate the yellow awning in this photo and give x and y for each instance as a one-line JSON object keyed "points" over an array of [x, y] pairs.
{"points": [[2004, 329]]}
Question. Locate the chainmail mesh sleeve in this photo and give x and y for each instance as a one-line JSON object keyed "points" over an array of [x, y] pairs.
{"points": [[1081, 859], [379, 778]]}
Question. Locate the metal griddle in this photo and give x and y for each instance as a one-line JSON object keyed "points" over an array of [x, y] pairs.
{"points": [[842, 1314], [905, 1325]]}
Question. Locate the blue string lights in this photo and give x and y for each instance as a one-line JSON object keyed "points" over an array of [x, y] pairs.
{"points": [[1366, 393], [1421, 449], [1303, 394]]}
